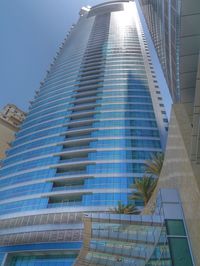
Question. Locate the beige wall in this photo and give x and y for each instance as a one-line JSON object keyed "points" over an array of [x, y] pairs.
{"points": [[6, 135], [179, 172]]}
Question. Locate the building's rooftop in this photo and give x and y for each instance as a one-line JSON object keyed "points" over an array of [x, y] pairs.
{"points": [[12, 115]]}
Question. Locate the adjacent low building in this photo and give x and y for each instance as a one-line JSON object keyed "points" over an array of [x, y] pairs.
{"points": [[11, 118]]}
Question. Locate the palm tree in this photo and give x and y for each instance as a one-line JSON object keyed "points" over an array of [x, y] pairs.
{"points": [[145, 187], [125, 209], [154, 166]]}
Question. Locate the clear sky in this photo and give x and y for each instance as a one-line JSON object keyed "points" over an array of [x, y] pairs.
{"points": [[30, 34]]}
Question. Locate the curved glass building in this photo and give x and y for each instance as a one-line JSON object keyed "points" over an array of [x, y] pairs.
{"points": [[96, 118]]}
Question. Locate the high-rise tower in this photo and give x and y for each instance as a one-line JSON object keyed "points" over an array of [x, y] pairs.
{"points": [[96, 118]]}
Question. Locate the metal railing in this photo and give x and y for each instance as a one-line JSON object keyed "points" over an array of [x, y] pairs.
{"points": [[76, 148], [73, 160], [65, 204], [64, 188], [71, 173], [79, 137]]}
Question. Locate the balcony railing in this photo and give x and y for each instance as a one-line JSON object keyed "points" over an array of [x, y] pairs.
{"points": [[84, 119], [79, 137], [76, 148], [78, 128], [73, 160], [65, 204], [72, 173], [68, 188]]}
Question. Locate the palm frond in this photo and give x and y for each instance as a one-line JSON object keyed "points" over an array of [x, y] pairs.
{"points": [[154, 165], [125, 209], [136, 196], [145, 187]]}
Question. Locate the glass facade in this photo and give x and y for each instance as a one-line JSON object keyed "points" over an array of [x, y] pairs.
{"points": [[92, 124], [115, 241], [159, 239], [163, 20]]}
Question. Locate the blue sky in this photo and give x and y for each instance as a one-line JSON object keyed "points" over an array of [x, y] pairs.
{"points": [[30, 34]]}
